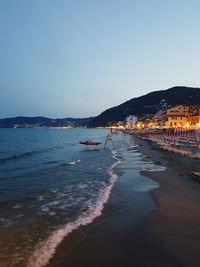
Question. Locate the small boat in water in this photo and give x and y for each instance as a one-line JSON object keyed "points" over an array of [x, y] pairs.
{"points": [[89, 143]]}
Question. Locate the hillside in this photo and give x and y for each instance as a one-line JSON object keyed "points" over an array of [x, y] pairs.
{"points": [[148, 104], [42, 122]]}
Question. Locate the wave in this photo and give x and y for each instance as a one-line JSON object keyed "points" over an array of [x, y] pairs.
{"points": [[153, 168], [29, 154], [22, 155], [46, 249], [74, 162], [51, 162]]}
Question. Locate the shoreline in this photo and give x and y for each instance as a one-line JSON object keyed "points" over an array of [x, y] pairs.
{"points": [[176, 219], [123, 235], [152, 227]]}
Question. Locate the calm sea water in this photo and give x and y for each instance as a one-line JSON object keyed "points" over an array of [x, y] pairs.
{"points": [[50, 185]]}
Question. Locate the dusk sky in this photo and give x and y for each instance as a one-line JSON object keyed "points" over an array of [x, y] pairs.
{"points": [[70, 58]]}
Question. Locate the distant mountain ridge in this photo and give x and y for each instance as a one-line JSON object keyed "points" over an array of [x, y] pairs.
{"points": [[145, 105], [21, 122], [148, 104]]}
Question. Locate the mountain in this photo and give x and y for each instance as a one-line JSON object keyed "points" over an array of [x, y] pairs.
{"points": [[21, 122], [148, 104]]}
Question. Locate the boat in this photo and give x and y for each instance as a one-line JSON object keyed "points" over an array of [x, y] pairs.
{"points": [[89, 143]]}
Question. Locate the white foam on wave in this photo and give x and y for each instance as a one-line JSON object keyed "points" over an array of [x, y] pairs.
{"points": [[74, 162], [2, 220], [6, 222], [54, 190], [44, 208], [17, 206], [46, 249], [82, 186], [41, 198], [153, 168]]}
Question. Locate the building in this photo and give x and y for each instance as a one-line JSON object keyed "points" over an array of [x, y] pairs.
{"points": [[131, 121], [179, 116], [195, 116]]}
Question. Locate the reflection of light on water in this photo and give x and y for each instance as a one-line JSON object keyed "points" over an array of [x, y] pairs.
{"points": [[147, 187], [132, 147], [152, 168]]}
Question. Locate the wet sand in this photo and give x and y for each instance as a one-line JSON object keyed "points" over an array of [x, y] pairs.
{"points": [[176, 219], [141, 228]]}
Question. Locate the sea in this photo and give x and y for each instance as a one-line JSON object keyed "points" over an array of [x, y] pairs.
{"points": [[50, 185]]}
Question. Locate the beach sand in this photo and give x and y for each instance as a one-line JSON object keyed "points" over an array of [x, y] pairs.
{"points": [[142, 228], [176, 219]]}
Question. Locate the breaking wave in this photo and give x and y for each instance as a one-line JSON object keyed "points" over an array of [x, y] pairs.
{"points": [[46, 249]]}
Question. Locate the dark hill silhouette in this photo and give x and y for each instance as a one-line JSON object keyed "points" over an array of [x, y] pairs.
{"points": [[148, 104]]}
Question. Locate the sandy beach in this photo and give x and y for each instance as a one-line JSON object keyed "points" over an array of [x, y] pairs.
{"points": [[156, 226], [176, 219]]}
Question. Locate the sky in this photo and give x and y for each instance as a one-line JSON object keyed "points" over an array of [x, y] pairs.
{"points": [[76, 58]]}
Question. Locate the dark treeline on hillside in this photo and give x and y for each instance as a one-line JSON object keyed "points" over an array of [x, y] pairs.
{"points": [[148, 104]]}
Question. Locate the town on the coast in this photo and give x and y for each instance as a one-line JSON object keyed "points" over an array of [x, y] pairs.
{"points": [[180, 117], [176, 123], [175, 130]]}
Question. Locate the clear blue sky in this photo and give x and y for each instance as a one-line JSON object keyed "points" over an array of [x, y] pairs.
{"points": [[70, 58]]}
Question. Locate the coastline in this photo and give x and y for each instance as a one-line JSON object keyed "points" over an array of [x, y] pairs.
{"points": [[176, 220], [139, 228], [150, 220]]}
